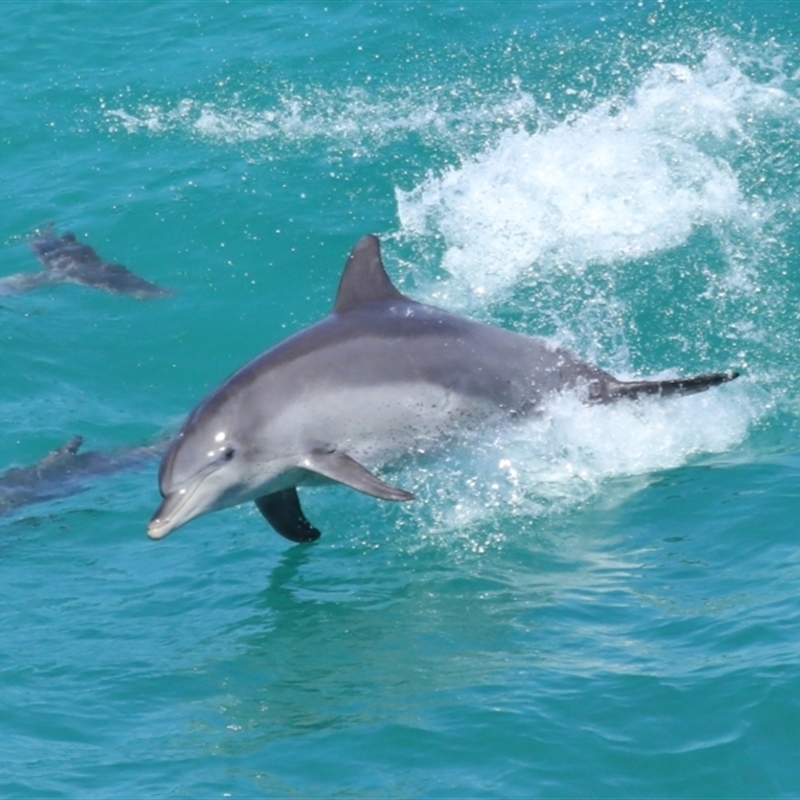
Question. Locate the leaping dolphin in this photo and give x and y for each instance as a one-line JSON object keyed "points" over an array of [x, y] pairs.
{"points": [[379, 377], [67, 260]]}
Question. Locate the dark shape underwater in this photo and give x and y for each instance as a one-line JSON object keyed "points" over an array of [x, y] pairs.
{"points": [[64, 472], [67, 260], [380, 377]]}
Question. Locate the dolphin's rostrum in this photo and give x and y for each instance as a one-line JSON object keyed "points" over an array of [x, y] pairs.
{"points": [[379, 377]]}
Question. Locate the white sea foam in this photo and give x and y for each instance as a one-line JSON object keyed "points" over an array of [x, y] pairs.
{"points": [[568, 455], [623, 180], [353, 118]]}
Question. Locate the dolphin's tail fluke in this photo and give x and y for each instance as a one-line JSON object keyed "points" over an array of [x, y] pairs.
{"points": [[672, 386], [25, 281]]}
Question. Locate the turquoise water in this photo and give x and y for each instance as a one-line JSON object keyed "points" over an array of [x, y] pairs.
{"points": [[601, 603]]}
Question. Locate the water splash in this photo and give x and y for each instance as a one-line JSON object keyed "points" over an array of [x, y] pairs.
{"points": [[354, 119], [626, 179], [614, 189], [570, 455]]}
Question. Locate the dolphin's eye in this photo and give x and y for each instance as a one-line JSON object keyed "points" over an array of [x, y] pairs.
{"points": [[221, 454]]}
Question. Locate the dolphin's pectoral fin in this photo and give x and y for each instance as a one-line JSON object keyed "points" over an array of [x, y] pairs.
{"points": [[282, 511], [341, 468]]}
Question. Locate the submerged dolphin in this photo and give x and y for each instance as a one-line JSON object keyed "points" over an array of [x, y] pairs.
{"points": [[64, 471], [381, 376], [69, 261]]}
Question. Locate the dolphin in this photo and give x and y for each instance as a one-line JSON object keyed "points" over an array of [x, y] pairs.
{"points": [[380, 377], [64, 471], [68, 261]]}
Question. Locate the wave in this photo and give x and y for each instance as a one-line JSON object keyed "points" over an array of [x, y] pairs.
{"points": [[628, 178], [354, 118], [615, 191]]}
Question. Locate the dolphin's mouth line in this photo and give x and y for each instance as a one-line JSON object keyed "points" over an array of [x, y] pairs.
{"points": [[161, 525]]}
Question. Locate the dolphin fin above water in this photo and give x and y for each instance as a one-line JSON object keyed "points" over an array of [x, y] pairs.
{"points": [[60, 454], [67, 260], [339, 467], [378, 378], [282, 510], [632, 390]]}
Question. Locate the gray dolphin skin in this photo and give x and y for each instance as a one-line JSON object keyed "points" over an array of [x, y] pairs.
{"points": [[68, 261], [380, 377], [64, 471]]}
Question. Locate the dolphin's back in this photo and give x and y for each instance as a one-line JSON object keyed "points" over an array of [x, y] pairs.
{"points": [[384, 366], [409, 344], [388, 375]]}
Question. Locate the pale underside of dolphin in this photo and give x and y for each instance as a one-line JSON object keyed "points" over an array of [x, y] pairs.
{"points": [[67, 260], [380, 377]]}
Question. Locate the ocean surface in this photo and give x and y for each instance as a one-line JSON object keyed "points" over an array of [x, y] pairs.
{"points": [[602, 602]]}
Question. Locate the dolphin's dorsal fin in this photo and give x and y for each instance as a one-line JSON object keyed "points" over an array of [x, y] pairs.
{"points": [[63, 453], [364, 279]]}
